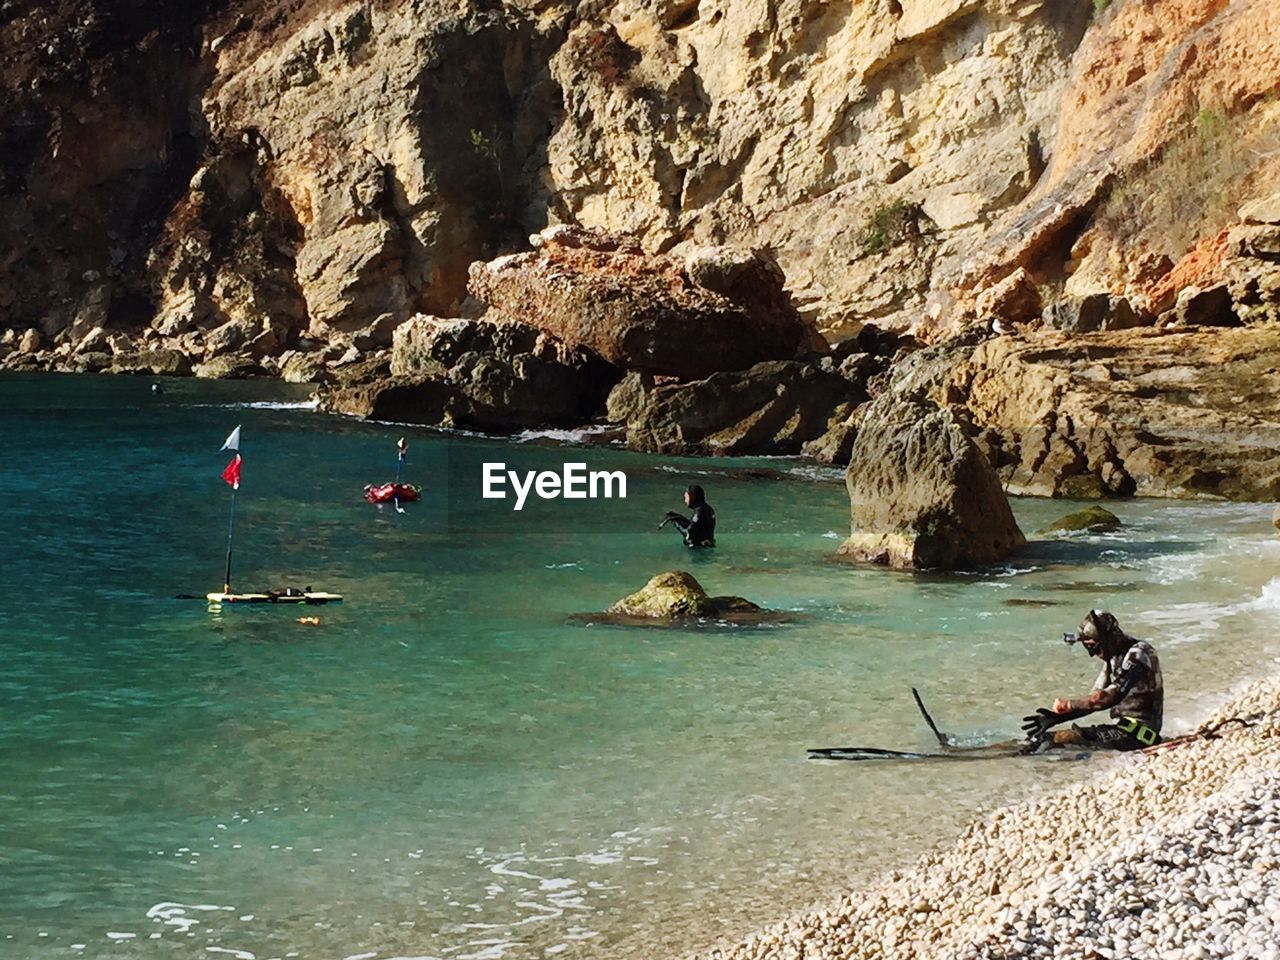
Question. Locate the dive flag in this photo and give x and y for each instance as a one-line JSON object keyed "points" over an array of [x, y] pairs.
{"points": [[402, 446], [233, 441], [232, 473]]}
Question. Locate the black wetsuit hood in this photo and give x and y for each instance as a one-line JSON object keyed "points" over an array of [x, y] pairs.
{"points": [[699, 530]]}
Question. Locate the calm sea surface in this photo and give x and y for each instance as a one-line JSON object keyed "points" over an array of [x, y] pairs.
{"points": [[446, 766]]}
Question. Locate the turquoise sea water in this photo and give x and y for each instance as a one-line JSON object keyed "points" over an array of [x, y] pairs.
{"points": [[446, 766]]}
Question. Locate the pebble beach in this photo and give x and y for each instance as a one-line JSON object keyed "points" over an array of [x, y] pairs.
{"points": [[1170, 854]]}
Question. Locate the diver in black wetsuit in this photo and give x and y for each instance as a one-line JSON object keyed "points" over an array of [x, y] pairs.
{"points": [[698, 530]]}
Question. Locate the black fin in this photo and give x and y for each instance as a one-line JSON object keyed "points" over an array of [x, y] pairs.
{"points": [[943, 739]]}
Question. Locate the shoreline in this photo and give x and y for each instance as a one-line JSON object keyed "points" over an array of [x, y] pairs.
{"points": [[1172, 854]]}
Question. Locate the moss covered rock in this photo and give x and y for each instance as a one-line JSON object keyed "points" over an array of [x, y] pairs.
{"points": [[675, 598], [1095, 519], [668, 596]]}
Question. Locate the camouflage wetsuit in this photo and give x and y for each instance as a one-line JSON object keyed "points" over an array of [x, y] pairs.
{"points": [[1131, 685]]}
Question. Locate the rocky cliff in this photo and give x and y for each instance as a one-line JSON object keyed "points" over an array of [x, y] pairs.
{"points": [[315, 164], [238, 187]]}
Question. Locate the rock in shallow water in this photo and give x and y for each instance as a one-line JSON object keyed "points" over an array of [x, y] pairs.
{"points": [[667, 596], [676, 597], [1095, 519], [921, 493]]}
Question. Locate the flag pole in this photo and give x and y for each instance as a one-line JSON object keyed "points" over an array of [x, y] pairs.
{"points": [[231, 526], [402, 450], [232, 476]]}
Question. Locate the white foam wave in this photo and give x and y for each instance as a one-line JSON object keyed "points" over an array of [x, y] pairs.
{"points": [[173, 914], [579, 436], [818, 473], [1198, 620], [1269, 598], [310, 404]]}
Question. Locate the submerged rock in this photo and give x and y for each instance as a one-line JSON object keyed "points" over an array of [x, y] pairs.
{"points": [[676, 597], [645, 312], [1093, 518], [921, 493]]}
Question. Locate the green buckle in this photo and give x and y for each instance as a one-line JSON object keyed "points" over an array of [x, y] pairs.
{"points": [[1141, 732]]}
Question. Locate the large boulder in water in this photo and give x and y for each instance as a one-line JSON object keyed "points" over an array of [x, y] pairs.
{"points": [[921, 493], [649, 311], [481, 375]]}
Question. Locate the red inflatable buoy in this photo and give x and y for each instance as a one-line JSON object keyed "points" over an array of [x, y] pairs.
{"points": [[390, 492]]}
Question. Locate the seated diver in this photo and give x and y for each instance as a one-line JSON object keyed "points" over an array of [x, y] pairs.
{"points": [[699, 530], [1130, 685]]}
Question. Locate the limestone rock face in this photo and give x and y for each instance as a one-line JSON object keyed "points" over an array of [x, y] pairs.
{"points": [[869, 144], [253, 185], [159, 362], [95, 147], [643, 312], [226, 260], [353, 121], [1142, 153], [481, 375], [307, 162], [770, 408], [1112, 414], [226, 368], [922, 495]]}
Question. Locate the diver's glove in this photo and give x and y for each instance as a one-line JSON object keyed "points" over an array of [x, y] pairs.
{"points": [[672, 515], [1038, 724]]}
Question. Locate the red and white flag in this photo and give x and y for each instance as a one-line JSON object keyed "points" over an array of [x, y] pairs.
{"points": [[232, 473]]}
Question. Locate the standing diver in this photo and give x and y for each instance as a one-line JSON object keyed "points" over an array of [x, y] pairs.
{"points": [[699, 530], [1130, 685]]}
